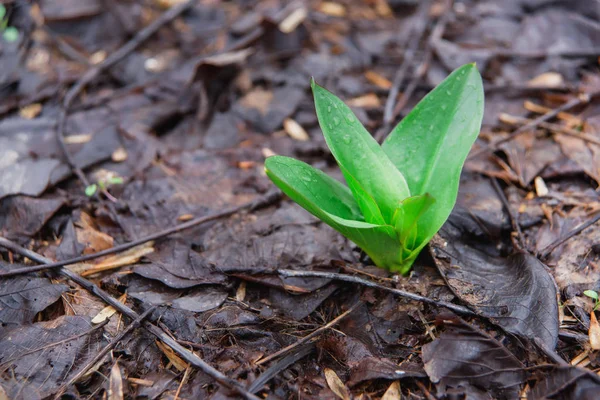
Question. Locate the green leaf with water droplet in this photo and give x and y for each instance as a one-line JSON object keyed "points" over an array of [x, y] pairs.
{"points": [[359, 153], [367, 204], [314, 188], [332, 202], [431, 143]]}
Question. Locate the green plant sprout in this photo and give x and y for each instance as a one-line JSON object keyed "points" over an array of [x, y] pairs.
{"points": [[103, 184], [9, 33], [593, 295], [399, 194]]}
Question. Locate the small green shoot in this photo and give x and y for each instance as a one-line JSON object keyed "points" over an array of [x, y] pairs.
{"points": [[9, 33], [103, 185], [399, 194], [593, 295]]}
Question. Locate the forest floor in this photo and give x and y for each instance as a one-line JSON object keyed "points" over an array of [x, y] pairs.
{"points": [[133, 136]]}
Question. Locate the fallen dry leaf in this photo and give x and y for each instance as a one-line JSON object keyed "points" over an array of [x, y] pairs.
{"points": [[119, 155], [336, 385], [31, 111], [292, 21], [295, 130], [87, 234], [594, 332], [370, 100], [393, 392], [378, 80], [128, 257], [174, 359], [107, 311], [547, 79], [115, 385], [333, 9]]}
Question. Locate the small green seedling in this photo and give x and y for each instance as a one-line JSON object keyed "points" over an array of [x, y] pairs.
{"points": [[103, 184], [9, 33], [399, 194], [593, 295]]}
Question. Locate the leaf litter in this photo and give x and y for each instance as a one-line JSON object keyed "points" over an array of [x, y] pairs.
{"points": [[186, 119]]}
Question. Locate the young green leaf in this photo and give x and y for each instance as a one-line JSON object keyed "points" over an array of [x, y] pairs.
{"points": [[591, 294], [408, 214], [358, 153], [431, 143], [313, 186], [368, 206], [91, 189], [2, 12], [10, 34], [332, 202]]}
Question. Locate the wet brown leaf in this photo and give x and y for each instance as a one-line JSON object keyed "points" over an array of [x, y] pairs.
{"points": [[515, 292], [463, 356], [23, 297]]}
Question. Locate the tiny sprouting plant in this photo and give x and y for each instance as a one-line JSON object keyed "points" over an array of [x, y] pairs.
{"points": [[399, 194], [103, 184], [593, 295], [9, 33]]}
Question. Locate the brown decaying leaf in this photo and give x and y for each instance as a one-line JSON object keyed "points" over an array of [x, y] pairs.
{"points": [[128, 257], [393, 392], [336, 385], [115, 383], [107, 311], [568, 383], [295, 130], [594, 332], [465, 357], [515, 292], [89, 236], [174, 359]]}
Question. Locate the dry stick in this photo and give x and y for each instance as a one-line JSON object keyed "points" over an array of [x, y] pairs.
{"points": [[548, 249], [514, 221], [417, 34], [96, 70], [580, 100], [267, 199], [558, 129], [153, 329], [311, 335], [113, 343], [353, 279], [436, 34]]}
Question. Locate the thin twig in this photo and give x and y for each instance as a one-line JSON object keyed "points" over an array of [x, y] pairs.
{"points": [[262, 201], [514, 219], [353, 279], [556, 128], [580, 100], [184, 353], [311, 335], [98, 357], [548, 249], [280, 365], [96, 70]]}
